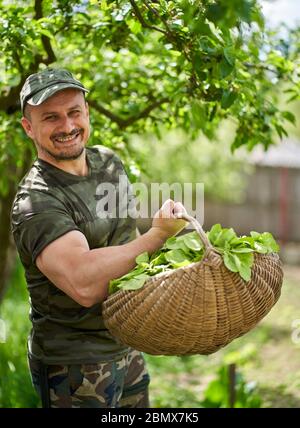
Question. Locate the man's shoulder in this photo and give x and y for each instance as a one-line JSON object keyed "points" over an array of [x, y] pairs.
{"points": [[33, 195], [103, 153], [34, 183], [102, 150]]}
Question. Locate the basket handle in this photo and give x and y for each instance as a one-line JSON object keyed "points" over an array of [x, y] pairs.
{"points": [[198, 228]]}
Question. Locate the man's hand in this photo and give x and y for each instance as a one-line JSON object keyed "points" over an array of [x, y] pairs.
{"points": [[165, 221], [84, 274]]}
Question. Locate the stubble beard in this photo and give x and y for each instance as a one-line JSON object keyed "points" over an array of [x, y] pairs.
{"points": [[62, 155]]}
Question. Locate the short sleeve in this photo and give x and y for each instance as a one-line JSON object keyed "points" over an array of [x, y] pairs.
{"points": [[33, 231], [125, 230]]}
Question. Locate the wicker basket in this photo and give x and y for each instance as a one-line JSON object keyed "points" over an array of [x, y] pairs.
{"points": [[195, 309]]}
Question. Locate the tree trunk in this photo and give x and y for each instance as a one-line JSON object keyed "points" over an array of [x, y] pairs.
{"points": [[7, 246]]}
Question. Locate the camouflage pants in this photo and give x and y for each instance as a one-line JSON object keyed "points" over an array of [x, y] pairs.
{"points": [[122, 383]]}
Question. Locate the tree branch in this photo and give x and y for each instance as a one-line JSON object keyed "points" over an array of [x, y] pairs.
{"points": [[173, 38], [259, 67], [124, 123], [113, 117], [38, 8], [154, 11], [10, 102], [18, 61], [48, 48], [147, 110], [142, 21]]}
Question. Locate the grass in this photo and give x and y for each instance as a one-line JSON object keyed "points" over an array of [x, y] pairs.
{"points": [[266, 356], [15, 384]]}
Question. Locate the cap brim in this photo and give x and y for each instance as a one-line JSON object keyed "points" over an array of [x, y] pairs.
{"points": [[46, 93]]}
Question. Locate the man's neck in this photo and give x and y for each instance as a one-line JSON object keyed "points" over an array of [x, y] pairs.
{"points": [[77, 166]]}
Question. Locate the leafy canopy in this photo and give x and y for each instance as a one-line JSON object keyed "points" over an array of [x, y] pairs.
{"points": [[185, 63]]}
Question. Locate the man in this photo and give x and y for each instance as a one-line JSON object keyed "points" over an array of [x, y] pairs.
{"points": [[70, 251]]}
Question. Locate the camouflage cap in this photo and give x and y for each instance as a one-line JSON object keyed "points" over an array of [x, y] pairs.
{"points": [[40, 86]]}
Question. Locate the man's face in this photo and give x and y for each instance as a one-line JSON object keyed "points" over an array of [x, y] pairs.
{"points": [[59, 126]]}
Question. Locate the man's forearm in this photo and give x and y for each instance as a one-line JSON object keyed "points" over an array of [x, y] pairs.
{"points": [[100, 265]]}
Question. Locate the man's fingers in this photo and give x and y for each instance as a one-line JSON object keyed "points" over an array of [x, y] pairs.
{"points": [[179, 208], [169, 209], [166, 210]]}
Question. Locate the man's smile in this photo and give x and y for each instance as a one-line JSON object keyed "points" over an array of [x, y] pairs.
{"points": [[62, 139]]}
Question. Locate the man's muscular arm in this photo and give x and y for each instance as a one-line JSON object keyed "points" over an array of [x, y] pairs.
{"points": [[84, 274]]}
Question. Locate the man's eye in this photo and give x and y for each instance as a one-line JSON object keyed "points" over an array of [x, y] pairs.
{"points": [[50, 117]]}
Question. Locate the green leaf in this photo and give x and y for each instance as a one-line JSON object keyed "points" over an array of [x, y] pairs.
{"points": [[229, 55], [215, 31], [171, 243], [158, 260], [134, 25], [245, 242], [240, 263], [198, 114], [237, 260], [280, 130], [136, 271], [260, 248], [214, 233], [198, 257], [226, 235], [242, 250], [214, 393], [268, 240], [192, 241], [289, 116], [225, 68], [176, 243], [230, 262], [175, 256], [228, 98], [181, 264], [113, 286], [134, 283], [142, 258], [246, 259], [245, 272]]}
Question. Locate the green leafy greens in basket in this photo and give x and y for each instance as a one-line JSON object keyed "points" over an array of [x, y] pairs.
{"points": [[237, 253]]}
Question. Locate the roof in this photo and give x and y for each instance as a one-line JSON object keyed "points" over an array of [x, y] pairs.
{"points": [[285, 154]]}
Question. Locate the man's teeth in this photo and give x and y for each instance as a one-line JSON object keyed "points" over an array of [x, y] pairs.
{"points": [[71, 137]]}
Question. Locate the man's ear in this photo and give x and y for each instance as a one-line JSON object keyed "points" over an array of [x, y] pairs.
{"points": [[87, 109], [27, 126]]}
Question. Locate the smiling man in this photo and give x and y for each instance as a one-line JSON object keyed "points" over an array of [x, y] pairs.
{"points": [[70, 252], [64, 109]]}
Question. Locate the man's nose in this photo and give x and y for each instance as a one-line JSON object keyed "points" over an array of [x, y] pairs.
{"points": [[67, 124]]}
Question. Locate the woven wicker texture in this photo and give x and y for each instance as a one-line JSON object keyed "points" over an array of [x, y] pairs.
{"points": [[196, 309]]}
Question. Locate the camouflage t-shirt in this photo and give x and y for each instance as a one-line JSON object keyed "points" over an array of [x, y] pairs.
{"points": [[49, 203]]}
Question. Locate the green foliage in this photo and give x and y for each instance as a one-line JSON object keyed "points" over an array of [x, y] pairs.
{"points": [[16, 389], [216, 393], [237, 253], [176, 382], [200, 381], [183, 64]]}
